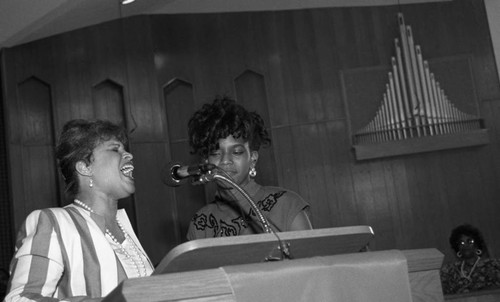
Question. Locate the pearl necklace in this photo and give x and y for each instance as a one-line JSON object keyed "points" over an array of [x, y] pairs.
{"points": [[84, 205], [134, 254], [462, 272]]}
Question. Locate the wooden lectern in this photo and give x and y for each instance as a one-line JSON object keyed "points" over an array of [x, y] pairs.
{"points": [[198, 270], [212, 253]]}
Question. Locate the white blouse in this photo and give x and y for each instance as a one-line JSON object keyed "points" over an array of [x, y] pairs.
{"points": [[133, 260]]}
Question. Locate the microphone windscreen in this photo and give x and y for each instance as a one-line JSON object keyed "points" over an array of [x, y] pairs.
{"points": [[168, 176]]}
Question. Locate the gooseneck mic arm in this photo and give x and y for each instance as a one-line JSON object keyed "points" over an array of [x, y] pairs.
{"points": [[204, 178], [216, 174]]}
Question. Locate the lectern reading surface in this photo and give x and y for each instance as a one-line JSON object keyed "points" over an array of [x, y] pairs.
{"points": [[212, 253]]}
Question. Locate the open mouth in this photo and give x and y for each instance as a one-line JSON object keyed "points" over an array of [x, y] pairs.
{"points": [[127, 170]]}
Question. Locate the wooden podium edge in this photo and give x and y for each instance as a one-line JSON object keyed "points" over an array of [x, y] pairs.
{"points": [[249, 240]]}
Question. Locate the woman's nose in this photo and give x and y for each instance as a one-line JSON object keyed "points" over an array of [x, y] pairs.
{"points": [[227, 159], [127, 155]]}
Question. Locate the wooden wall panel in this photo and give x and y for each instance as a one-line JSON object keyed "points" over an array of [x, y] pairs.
{"points": [[338, 172], [107, 102], [106, 45], [38, 183], [179, 106], [250, 91], [490, 162], [288, 65], [156, 213], [5, 205], [39, 178], [328, 59], [210, 51], [242, 48], [312, 163], [143, 93]]}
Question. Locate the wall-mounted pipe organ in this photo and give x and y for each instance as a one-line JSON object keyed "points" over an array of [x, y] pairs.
{"points": [[414, 113]]}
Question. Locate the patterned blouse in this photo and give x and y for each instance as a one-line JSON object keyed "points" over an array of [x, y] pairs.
{"points": [[456, 279], [223, 218]]}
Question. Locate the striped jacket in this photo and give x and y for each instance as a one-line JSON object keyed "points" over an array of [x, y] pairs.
{"points": [[63, 253]]}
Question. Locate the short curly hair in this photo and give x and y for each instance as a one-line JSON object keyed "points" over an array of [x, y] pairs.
{"points": [[77, 141], [470, 231], [221, 118]]}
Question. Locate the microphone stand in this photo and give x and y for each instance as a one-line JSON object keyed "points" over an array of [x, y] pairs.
{"points": [[283, 247]]}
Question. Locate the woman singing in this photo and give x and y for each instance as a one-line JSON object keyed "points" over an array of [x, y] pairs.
{"points": [[83, 251]]}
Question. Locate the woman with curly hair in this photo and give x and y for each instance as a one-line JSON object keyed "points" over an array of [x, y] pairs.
{"points": [[228, 136], [473, 270]]}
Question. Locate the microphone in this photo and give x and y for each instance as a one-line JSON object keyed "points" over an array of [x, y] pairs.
{"points": [[175, 173]]}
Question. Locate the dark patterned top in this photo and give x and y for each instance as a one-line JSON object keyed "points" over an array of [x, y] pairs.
{"points": [[486, 275], [223, 218]]}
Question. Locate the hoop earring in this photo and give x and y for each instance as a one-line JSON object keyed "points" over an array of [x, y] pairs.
{"points": [[91, 182], [479, 252], [459, 254], [252, 172]]}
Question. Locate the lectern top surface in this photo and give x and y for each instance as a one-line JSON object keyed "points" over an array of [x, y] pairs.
{"points": [[212, 253]]}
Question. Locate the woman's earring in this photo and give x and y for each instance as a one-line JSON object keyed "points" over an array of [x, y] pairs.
{"points": [[459, 254], [479, 252], [91, 183], [252, 172]]}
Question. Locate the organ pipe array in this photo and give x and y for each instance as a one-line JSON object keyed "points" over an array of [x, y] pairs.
{"points": [[413, 104]]}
